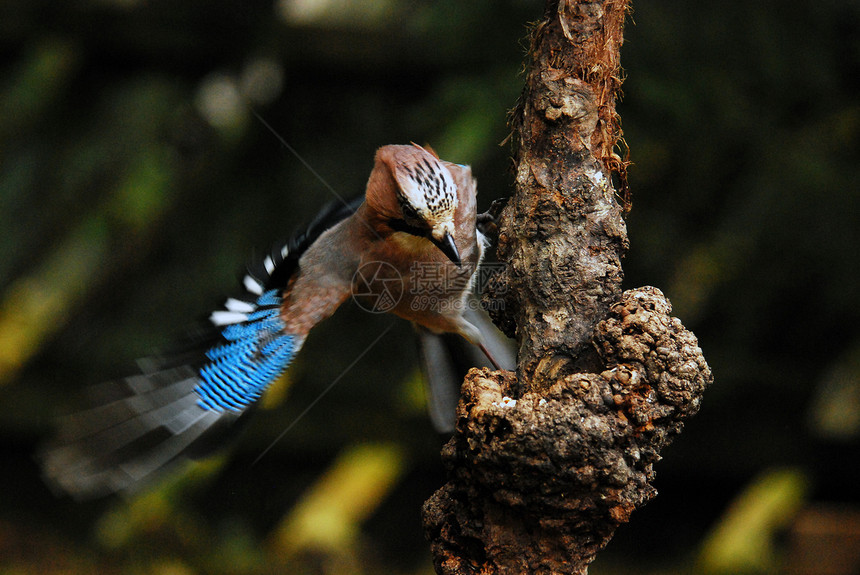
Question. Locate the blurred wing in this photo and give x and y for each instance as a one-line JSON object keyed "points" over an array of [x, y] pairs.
{"points": [[145, 423], [183, 403]]}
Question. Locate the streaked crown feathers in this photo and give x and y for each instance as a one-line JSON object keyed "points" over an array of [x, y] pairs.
{"points": [[426, 186]]}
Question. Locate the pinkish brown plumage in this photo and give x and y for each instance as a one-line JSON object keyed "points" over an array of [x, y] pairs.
{"points": [[416, 206]]}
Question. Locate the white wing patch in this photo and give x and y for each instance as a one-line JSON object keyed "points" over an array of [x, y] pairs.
{"points": [[237, 310], [269, 264], [233, 304], [253, 285], [220, 317]]}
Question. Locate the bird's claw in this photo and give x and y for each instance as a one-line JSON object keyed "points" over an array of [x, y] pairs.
{"points": [[488, 222]]}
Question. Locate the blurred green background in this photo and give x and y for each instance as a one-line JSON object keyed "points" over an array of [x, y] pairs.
{"points": [[135, 182]]}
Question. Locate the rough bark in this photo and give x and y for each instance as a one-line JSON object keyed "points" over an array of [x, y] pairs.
{"points": [[547, 462], [562, 233]]}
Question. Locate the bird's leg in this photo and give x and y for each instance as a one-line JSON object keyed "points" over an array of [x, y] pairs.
{"points": [[490, 356], [487, 222]]}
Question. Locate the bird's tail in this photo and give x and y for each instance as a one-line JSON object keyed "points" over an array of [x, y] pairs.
{"points": [[446, 357]]}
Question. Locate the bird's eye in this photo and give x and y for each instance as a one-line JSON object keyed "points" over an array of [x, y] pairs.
{"points": [[408, 211]]}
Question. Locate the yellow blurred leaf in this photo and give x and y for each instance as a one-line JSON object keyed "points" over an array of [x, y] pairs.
{"points": [[742, 540], [277, 392], [329, 514]]}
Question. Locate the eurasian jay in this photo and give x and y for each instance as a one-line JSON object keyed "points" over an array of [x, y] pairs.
{"points": [[417, 217]]}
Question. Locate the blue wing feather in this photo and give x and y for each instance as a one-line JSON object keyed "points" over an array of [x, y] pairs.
{"points": [[254, 353]]}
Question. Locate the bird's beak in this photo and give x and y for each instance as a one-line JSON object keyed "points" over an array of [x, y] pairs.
{"points": [[447, 246]]}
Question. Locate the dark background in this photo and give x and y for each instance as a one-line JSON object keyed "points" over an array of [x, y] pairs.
{"points": [[135, 182]]}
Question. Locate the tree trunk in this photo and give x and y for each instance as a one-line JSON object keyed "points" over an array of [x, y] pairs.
{"points": [[546, 463]]}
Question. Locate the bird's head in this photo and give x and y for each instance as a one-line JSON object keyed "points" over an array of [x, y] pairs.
{"points": [[424, 193]]}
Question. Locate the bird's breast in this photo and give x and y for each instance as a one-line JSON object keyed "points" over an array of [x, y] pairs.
{"points": [[411, 244]]}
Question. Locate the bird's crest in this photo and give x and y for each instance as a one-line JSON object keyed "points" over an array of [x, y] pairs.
{"points": [[425, 185]]}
